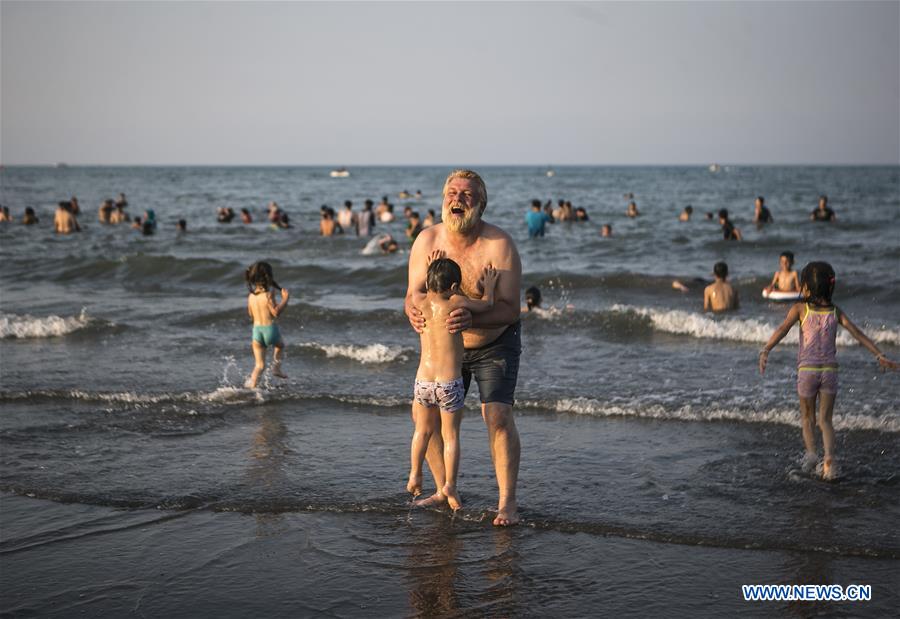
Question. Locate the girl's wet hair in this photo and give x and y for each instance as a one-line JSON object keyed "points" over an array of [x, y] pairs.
{"points": [[818, 278], [442, 274], [259, 275], [533, 297]]}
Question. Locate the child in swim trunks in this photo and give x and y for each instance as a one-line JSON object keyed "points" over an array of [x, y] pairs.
{"points": [[817, 372], [786, 279], [439, 391], [263, 310]]}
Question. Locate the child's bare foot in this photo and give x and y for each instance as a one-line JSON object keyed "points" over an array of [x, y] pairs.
{"points": [[452, 497], [829, 469], [250, 384], [435, 500], [414, 485], [507, 516], [808, 462], [277, 372]]}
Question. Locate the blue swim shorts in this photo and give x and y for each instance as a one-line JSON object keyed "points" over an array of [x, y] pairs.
{"points": [[267, 335]]}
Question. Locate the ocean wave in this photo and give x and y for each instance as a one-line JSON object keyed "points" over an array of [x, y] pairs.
{"points": [[27, 326], [231, 395], [784, 416], [372, 353], [750, 330]]}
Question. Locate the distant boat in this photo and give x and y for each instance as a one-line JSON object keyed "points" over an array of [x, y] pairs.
{"points": [[62, 165], [340, 173], [714, 167], [550, 173]]}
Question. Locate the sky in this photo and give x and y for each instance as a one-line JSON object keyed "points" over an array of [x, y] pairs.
{"points": [[399, 83]]}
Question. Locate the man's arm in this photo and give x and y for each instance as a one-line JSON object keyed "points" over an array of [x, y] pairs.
{"points": [[418, 269], [706, 299]]}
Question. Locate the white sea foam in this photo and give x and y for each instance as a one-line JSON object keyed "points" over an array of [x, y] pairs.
{"points": [[372, 353], [750, 330], [785, 416], [27, 326]]}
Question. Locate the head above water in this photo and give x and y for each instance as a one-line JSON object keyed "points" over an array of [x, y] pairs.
{"points": [[789, 255], [259, 276], [817, 282], [720, 270], [443, 275], [533, 297], [723, 214]]}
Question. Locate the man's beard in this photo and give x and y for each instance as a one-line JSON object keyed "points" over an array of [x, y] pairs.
{"points": [[463, 224]]}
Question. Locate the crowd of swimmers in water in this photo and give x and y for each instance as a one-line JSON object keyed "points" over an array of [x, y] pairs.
{"points": [[363, 223]]}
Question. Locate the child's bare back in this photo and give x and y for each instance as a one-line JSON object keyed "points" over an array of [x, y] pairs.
{"points": [[442, 351]]}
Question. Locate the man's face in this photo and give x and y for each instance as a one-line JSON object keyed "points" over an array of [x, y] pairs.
{"points": [[822, 203], [461, 208]]}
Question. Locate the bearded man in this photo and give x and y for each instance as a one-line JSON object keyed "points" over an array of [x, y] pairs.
{"points": [[492, 339]]}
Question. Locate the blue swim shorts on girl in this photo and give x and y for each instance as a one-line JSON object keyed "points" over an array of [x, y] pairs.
{"points": [[267, 335]]}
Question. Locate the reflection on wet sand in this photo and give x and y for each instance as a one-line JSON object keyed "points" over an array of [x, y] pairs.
{"points": [[455, 570], [266, 471]]}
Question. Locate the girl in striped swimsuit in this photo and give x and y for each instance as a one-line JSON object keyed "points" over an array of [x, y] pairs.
{"points": [[817, 368]]}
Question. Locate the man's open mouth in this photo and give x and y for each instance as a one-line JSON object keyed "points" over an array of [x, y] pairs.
{"points": [[457, 210]]}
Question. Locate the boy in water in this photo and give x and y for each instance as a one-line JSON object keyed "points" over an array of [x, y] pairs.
{"points": [[720, 296], [439, 392], [786, 279]]}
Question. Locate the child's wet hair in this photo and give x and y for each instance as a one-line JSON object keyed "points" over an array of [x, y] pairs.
{"points": [[533, 297], [818, 278], [789, 255], [442, 274], [259, 275], [723, 214], [720, 270]]}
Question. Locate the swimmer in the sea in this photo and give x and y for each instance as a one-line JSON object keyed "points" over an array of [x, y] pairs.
{"points": [[532, 299], [729, 232], [823, 212], [720, 296], [632, 210], [439, 392], [785, 280], [64, 221], [606, 230], [263, 311], [686, 213], [761, 213], [30, 218]]}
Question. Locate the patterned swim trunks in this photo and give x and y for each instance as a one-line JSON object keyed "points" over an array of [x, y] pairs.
{"points": [[448, 396]]}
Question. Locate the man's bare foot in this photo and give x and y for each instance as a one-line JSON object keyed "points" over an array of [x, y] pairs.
{"points": [[414, 485], [435, 500], [507, 516], [452, 497]]}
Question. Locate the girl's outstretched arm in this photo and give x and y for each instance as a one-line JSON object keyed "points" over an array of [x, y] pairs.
{"points": [[861, 337], [793, 316]]}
